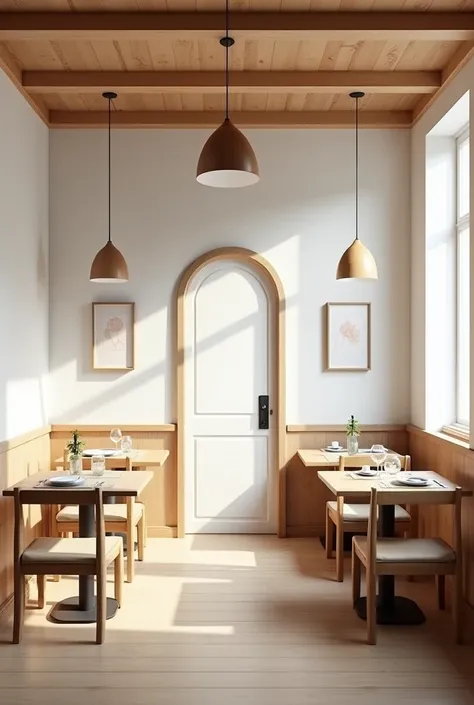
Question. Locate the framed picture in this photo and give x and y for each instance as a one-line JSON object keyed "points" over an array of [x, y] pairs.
{"points": [[348, 336], [113, 336]]}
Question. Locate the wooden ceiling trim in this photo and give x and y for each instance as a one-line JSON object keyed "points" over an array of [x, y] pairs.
{"points": [[338, 26], [144, 82], [265, 119], [456, 63], [13, 70]]}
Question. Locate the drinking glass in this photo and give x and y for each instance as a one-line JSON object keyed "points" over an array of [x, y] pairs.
{"points": [[98, 465], [378, 454], [392, 464], [115, 436], [126, 444]]}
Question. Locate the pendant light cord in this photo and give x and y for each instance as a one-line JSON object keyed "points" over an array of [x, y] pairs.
{"points": [[110, 190], [227, 60], [357, 169]]}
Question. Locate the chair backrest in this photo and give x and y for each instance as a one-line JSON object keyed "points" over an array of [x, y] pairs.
{"points": [[409, 497], [357, 461], [77, 496]]}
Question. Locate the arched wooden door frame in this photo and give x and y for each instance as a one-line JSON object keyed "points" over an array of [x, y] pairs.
{"points": [[269, 276]]}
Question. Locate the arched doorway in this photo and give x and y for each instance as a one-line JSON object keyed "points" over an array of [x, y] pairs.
{"points": [[220, 295]]}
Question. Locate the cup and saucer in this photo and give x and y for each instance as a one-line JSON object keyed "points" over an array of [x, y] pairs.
{"points": [[366, 471], [335, 447]]}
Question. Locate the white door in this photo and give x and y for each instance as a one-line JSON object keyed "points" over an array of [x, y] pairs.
{"points": [[228, 459]]}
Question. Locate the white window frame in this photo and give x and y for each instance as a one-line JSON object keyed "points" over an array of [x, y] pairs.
{"points": [[461, 426]]}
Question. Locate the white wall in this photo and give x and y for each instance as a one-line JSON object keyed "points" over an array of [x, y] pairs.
{"points": [[23, 264], [425, 377], [300, 216]]}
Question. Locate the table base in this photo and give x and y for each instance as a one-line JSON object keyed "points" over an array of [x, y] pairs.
{"points": [[401, 611], [347, 541], [68, 612]]}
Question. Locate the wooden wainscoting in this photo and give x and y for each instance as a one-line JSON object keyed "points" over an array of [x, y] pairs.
{"points": [[454, 460], [160, 497], [306, 496], [19, 458]]}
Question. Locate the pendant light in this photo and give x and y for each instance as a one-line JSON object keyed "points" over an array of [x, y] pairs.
{"points": [[357, 262], [109, 266], [227, 159]]}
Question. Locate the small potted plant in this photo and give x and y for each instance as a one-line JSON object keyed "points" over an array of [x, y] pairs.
{"points": [[74, 448], [352, 433]]}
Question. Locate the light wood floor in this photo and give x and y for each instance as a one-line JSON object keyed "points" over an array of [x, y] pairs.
{"points": [[235, 620]]}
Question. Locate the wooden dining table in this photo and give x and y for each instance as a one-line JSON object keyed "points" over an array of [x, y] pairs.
{"points": [[141, 458], [321, 458], [391, 609], [82, 608]]}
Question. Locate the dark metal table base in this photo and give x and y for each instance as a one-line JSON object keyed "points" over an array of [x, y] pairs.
{"points": [[400, 611], [347, 541], [68, 612]]}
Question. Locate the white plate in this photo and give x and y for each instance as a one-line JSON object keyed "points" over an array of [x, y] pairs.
{"points": [[412, 481], [106, 452], [335, 450], [366, 473], [66, 481]]}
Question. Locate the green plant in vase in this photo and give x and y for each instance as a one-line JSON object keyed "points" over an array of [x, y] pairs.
{"points": [[352, 433], [75, 447]]}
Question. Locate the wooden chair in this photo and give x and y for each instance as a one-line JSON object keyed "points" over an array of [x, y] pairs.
{"points": [[355, 517], [402, 556], [128, 518], [53, 556]]}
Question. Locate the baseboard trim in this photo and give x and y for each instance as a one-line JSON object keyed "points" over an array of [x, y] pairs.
{"points": [[6, 608], [305, 531], [162, 532]]}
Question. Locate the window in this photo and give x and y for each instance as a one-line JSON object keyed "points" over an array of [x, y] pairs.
{"points": [[462, 308]]}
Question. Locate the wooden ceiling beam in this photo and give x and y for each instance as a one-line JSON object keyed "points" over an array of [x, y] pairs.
{"points": [[268, 119], [464, 54], [402, 82], [13, 70], [58, 26]]}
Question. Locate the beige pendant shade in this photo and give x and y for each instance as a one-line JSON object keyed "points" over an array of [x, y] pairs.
{"points": [[109, 266], [357, 262], [227, 159]]}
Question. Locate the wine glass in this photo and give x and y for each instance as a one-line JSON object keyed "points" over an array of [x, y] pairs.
{"points": [[115, 436], [126, 444], [392, 464], [378, 454]]}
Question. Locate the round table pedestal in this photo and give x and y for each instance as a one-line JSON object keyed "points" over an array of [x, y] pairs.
{"points": [[400, 611], [68, 611]]}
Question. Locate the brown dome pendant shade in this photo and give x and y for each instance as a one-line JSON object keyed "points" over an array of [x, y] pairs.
{"points": [[357, 262], [109, 265], [227, 159]]}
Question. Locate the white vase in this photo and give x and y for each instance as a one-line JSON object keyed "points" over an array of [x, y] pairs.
{"points": [[352, 445], [75, 464]]}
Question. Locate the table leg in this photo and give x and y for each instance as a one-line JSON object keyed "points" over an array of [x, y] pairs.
{"points": [[82, 609], [390, 608]]}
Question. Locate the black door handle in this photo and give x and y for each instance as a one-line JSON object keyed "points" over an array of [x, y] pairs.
{"points": [[263, 411]]}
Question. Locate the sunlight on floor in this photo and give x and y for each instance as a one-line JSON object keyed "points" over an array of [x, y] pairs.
{"points": [[235, 619]]}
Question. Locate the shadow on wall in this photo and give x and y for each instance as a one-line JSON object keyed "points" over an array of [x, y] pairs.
{"points": [[305, 204], [131, 380]]}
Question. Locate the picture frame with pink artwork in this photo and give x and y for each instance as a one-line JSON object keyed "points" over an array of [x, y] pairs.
{"points": [[348, 337], [113, 336]]}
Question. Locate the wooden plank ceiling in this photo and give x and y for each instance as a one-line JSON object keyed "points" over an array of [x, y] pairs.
{"points": [[294, 62]]}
